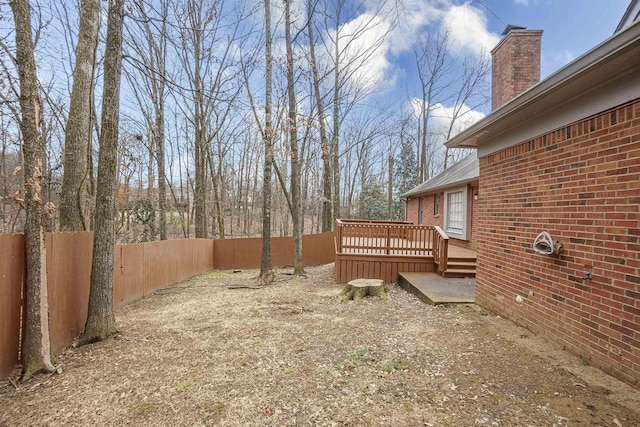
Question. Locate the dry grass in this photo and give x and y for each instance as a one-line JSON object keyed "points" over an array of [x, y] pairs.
{"points": [[291, 353]]}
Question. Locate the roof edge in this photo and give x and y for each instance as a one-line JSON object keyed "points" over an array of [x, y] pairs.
{"points": [[457, 184], [631, 14], [599, 54]]}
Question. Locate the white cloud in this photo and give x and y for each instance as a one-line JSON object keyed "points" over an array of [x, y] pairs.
{"points": [[522, 2], [414, 18], [364, 50], [467, 27], [441, 117], [375, 37]]}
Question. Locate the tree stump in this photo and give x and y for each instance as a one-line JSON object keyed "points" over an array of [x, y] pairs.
{"points": [[360, 288]]}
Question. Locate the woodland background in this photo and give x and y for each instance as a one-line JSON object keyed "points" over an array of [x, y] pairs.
{"points": [[191, 146]]}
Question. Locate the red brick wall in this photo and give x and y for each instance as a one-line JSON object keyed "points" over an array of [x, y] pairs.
{"points": [[412, 210], [430, 219], [580, 183], [516, 65]]}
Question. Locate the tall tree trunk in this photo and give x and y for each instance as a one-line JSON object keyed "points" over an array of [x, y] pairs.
{"points": [[265, 264], [4, 190], [150, 48], [327, 217], [296, 200], [100, 318], [162, 183], [431, 60], [151, 149], [36, 350], [200, 193], [78, 129], [390, 190], [335, 139], [425, 113], [216, 180], [200, 149], [91, 176]]}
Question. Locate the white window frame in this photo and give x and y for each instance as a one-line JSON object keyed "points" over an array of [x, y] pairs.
{"points": [[420, 210], [463, 233]]}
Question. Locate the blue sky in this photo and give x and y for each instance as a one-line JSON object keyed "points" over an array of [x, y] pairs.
{"points": [[571, 27]]}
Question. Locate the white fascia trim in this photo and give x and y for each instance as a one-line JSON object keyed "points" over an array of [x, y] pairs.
{"points": [[621, 91], [609, 56]]}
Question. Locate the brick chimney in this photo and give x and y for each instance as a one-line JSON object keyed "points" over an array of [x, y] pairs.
{"points": [[516, 64]]}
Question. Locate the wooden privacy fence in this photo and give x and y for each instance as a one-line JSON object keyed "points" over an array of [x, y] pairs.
{"points": [[139, 270], [11, 278]]}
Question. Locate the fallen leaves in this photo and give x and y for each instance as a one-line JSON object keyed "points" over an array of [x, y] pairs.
{"points": [[292, 354]]}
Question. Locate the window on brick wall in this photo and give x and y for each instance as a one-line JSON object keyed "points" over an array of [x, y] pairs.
{"points": [[456, 213], [420, 209], [436, 204]]}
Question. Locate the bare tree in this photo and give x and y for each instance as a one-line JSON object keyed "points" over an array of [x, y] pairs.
{"points": [[431, 55], [207, 53], [52, 130], [149, 51], [327, 212], [472, 93], [445, 78], [195, 19], [36, 351], [406, 169], [350, 57], [267, 138], [296, 201], [180, 196], [12, 214], [78, 128], [100, 318]]}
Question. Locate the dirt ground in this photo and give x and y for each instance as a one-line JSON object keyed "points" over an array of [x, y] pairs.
{"points": [[208, 352]]}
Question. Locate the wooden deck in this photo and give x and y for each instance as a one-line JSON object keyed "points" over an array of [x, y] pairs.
{"points": [[382, 250], [460, 252]]}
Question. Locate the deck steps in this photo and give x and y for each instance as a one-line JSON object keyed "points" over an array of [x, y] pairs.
{"points": [[461, 267], [461, 259], [459, 272]]}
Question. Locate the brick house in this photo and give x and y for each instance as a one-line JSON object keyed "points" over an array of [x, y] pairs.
{"points": [[447, 200], [564, 157]]}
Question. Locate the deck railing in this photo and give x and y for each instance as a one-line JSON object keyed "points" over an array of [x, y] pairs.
{"points": [[384, 238], [441, 249]]}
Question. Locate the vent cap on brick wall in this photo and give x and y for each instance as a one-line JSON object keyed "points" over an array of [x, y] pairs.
{"points": [[545, 245]]}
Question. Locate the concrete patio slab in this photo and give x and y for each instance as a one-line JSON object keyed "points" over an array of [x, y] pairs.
{"points": [[434, 289]]}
